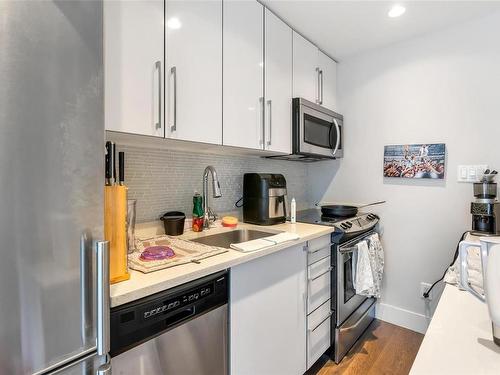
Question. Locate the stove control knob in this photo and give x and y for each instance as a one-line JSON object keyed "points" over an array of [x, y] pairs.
{"points": [[344, 226], [349, 224]]}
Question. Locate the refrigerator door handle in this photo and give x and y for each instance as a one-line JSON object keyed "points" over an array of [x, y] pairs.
{"points": [[104, 369], [103, 344], [86, 287]]}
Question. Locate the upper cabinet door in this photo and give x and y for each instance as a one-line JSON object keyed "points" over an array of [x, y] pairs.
{"points": [[243, 92], [328, 81], [134, 66], [278, 84], [305, 69], [194, 70]]}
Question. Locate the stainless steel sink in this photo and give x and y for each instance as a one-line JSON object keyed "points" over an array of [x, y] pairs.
{"points": [[225, 239]]}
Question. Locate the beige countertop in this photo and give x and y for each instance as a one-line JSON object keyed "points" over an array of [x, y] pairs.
{"points": [[142, 285], [458, 340]]}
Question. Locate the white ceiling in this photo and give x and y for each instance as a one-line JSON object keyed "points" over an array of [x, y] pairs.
{"points": [[344, 28]]}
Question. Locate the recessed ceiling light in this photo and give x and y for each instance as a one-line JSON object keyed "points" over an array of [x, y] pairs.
{"points": [[396, 11], [174, 23]]}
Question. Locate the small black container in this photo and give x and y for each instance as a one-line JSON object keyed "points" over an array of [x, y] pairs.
{"points": [[173, 222]]}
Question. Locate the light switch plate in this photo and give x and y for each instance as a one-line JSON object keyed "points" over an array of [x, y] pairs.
{"points": [[470, 173]]}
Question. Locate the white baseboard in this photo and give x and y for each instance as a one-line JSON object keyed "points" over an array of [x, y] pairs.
{"points": [[401, 317]]}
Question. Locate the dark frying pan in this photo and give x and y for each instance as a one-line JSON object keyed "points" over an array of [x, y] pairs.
{"points": [[343, 210]]}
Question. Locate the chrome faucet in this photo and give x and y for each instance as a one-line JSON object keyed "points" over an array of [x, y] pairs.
{"points": [[209, 215]]}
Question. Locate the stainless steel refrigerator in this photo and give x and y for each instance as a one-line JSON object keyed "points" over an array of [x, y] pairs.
{"points": [[54, 293]]}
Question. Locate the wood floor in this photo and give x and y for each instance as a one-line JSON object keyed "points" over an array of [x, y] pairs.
{"points": [[385, 349]]}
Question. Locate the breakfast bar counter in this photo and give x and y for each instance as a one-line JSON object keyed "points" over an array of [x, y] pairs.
{"points": [[459, 339]]}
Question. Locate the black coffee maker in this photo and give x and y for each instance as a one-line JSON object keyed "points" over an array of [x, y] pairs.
{"points": [[485, 209], [264, 198]]}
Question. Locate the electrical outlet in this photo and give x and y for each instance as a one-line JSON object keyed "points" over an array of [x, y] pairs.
{"points": [[470, 173], [424, 287]]}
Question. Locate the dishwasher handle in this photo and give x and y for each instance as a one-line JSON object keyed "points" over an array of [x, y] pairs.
{"points": [[180, 316]]}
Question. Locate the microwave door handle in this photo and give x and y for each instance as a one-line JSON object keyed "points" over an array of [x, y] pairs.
{"points": [[321, 82], [318, 87], [338, 137]]}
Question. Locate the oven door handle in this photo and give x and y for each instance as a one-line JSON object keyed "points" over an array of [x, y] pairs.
{"points": [[348, 250], [337, 145], [306, 248]]}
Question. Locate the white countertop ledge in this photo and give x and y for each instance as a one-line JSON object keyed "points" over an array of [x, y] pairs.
{"points": [[459, 339], [142, 285]]}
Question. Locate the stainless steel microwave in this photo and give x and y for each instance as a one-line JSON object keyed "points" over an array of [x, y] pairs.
{"points": [[317, 132]]}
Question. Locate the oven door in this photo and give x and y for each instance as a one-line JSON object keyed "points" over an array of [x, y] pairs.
{"points": [[319, 133], [347, 299]]}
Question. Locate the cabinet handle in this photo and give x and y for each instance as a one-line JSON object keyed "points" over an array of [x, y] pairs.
{"points": [[270, 105], [329, 269], [173, 72], [324, 320], [306, 248], [158, 66], [261, 121], [103, 344], [317, 87], [321, 81]]}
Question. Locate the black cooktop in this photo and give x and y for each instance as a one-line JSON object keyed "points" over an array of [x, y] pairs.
{"points": [[314, 216]]}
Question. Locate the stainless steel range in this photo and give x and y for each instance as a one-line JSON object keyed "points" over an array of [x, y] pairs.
{"points": [[353, 313]]}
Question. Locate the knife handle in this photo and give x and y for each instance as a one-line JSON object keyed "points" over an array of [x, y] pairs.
{"points": [[113, 162], [121, 167], [108, 163]]}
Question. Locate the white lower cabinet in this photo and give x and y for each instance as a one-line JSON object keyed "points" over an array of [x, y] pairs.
{"points": [[318, 333], [319, 309], [268, 314], [318, 284]]}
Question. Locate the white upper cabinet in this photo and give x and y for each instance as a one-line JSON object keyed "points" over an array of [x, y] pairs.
{"points": [[194, 70], [243, 62], [328, 81], [314, 74], [305, 69], [134, 66], [278, 84]]}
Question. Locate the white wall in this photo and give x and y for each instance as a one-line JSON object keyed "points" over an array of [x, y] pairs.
{"points": [[441, 87]]}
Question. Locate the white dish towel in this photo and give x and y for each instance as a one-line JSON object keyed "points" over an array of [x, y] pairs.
{"points": [[262, 243], [368, 267]]}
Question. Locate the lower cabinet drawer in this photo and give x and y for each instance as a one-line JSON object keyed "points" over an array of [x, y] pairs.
{"points": [[318, 339], [319, 268], [318, 254], [319, 291]]}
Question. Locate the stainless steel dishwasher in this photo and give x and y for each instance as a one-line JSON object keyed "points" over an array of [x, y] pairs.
{"points": [[181, 331]]}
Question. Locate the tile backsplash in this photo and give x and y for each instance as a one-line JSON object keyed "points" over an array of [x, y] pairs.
{"points": [[165, 180]]}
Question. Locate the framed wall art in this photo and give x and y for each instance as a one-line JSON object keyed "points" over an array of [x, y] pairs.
{"points": [[426, 160]]}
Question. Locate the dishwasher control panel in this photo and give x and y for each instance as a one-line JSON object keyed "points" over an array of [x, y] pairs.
{"points": [[174, 303], [135, 322]]}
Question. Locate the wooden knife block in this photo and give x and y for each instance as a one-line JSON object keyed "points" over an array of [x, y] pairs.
{"points": [[115, 231]]}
